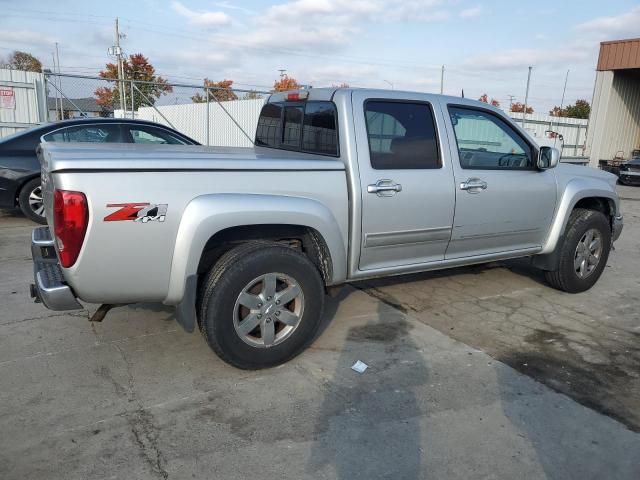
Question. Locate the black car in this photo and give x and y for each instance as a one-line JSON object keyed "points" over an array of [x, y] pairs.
{"points": [[629, 173], [20, 169]]}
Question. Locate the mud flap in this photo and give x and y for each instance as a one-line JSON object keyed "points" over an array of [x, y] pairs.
{"points": [[186, 309]]}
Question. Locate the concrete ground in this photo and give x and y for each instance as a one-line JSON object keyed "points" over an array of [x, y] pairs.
{"points": [[474, 373]]}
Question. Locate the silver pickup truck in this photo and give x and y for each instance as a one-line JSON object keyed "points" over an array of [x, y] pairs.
{"points": [[342, 185]]}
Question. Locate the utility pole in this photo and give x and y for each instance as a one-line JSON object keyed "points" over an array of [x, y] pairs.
{"points": [[442, 80], [53, 57], [526, 97], [564, 90], [59, 83], [117, 51]]}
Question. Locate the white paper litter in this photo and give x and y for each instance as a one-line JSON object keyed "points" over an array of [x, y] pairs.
{"points": [[359, 366]]}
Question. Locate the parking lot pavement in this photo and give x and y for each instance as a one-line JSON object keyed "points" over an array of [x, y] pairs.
{"points": [[586, 346], [136, 397]]}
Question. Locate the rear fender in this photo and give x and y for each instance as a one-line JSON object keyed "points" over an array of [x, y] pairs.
{"points": [[206, 215]]}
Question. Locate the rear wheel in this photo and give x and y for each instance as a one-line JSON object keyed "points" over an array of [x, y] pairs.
{"points": [[261, 305], [30, 201], [584, 252]]}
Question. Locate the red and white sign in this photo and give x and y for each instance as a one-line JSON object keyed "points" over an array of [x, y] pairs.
{"points": [[7, 98]]}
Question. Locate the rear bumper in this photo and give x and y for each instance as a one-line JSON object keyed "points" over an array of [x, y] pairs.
{"points": [[616, 227], [49, 286]]}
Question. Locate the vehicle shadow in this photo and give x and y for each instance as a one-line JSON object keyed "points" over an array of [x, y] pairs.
{"points": [[368, 424], [570, 442], [520, 266]]}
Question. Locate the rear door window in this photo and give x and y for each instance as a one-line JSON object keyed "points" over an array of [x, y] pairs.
{"points": [[402, 135]]}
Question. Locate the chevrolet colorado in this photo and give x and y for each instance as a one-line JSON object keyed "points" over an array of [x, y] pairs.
{"points": [[342, 185]]}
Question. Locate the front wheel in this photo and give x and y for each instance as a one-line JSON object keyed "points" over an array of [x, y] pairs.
{"points": [[261, 305], [584, 252], [30, 201]]}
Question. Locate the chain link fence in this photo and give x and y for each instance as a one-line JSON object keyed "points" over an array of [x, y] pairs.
{"points": [[227, 116], [209, 115]]}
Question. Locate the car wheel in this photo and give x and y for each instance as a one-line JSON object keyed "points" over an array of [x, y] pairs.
{"points": [[261, 305], [584, 252], [30, 201]]}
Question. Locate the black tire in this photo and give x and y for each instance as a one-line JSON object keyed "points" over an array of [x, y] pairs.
{"points": [[228, 278], [29, 188], [566, 277]]}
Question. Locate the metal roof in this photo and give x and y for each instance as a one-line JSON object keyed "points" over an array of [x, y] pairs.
{"points": [[619, 54], [87, 104]]}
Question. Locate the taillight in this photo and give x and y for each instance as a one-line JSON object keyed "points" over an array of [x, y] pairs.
{"points": [[70, 217]]}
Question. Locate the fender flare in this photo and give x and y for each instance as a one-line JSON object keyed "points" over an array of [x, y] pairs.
{"points": [[207, 215], [576, 190]]}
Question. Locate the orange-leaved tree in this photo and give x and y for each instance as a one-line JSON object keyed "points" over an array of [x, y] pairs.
{"points": [[136, 67], [518, 107], [218, 92], [484, 98], [285, 83]]}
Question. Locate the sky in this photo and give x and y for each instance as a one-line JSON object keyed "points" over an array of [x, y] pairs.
{"points": [[486, 46]]}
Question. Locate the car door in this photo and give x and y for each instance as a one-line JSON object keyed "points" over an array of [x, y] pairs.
{"points": [[407, 189], [503, 202]]}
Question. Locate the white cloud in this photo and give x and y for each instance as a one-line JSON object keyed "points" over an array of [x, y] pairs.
{"points": [[522, 57], [471, 12], [26, 37], [613, 27], [203, 19], [333, 24]]}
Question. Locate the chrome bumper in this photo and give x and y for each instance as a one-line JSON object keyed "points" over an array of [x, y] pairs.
{"points": [[616, 227], [49, 287]]}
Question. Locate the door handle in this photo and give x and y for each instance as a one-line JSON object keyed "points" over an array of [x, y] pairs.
{"points": [[384, 188], [473, 185]]}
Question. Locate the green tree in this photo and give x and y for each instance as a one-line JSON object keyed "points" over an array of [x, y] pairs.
{"points": [[136, 67], [580, 109], [23, 61], [218, 92]]}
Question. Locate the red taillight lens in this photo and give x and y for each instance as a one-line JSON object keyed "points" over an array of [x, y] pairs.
{"points": [[70, 217]]}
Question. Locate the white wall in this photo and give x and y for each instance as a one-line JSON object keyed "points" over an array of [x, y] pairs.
{"points": [[30, 107], [615, 118], [190, 119]]}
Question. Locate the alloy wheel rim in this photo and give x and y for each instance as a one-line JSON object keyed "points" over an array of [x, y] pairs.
{"points": [[588, 253], [35, 201], [268, 310]]}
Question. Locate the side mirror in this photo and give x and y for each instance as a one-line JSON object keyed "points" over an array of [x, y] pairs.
{"points": [[548, 158]]}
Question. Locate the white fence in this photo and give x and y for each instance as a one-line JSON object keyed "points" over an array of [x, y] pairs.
{"points": [[573, 130], [22, 102], [191, 119], [221, 129]]}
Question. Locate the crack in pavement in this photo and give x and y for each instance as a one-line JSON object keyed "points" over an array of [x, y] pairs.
{"points": [[142, 425]]}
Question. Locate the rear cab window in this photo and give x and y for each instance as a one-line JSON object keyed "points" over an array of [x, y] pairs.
{"points": [[309, 127]]}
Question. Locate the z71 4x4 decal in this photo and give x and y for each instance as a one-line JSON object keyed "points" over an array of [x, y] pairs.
{"points": [[137, 212]]}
